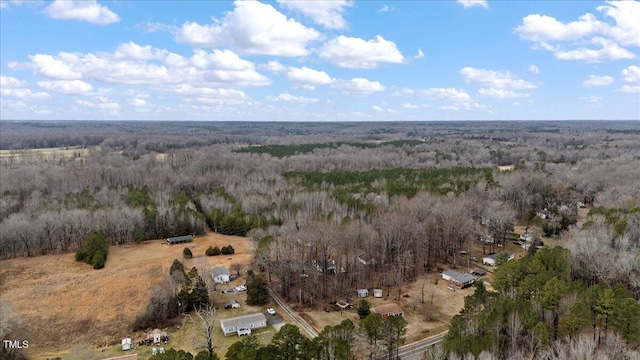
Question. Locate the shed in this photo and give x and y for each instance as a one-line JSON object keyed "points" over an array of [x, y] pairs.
{"points": [[180, 239], [478, 272], [377, 293], [242, 325], [220, 275], [362, 293], [386, 310], [127, 344], [459, 279]]}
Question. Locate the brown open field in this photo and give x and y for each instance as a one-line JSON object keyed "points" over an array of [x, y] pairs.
{"points": [[42, 155], [65, 305]]}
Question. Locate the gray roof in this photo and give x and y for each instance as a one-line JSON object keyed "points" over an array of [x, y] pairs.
{"points": [[460, 277], [243, 321], [219, 271], [180, 238], [495, 256]]}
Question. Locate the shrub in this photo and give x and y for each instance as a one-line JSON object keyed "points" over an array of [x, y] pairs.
{"points": [[186, 253], [226, 250], [210, 251], [95, 250], [216, 251]]}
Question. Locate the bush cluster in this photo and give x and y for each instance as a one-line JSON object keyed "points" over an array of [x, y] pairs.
{"points": [[94, 251], [215, 251]]}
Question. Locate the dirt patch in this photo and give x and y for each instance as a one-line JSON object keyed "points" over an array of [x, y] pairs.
{"points": [[65, 304], [506, 167]]}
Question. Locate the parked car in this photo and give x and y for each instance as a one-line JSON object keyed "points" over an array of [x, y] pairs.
{"points": [[226, 291], [241, 288], [232, 305], [271, 311]]}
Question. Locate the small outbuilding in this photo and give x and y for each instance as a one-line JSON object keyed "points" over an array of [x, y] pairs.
{"points": [[387, 310], [127, 344], [180, 239], [377, 293], [362, 293], [220, 275], [458, 279], [478, 272], [242, 325]]}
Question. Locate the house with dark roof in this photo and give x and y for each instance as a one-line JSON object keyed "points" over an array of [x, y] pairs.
{"points": [[492, 259], [242, 325], [386, 310], [180, 239]]}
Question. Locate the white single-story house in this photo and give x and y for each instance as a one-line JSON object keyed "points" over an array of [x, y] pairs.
{"points": [[377, 293], [461, 280], [242, 325], [362, 293], [493, 258], [180, 239], [220, 275]]}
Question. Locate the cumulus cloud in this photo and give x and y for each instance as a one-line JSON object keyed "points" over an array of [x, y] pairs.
{"points": [[68, 87], [132, 64], [449, 94], [351, 52], [329, 14], [595, 81], [82, 10], [410, 106], [360, 86], [137, 102], [588, 38], [308, 78], [384, 8], [419, 55], [286, 97], [533, 69], [377, 108], [13, 89], [274, 66], [472, 3], [499, 84], [252, 28], [501, 93], [631, 77], [103, 104]]}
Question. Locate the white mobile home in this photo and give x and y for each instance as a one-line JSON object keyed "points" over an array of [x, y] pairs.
{"points": [[242, 325]]}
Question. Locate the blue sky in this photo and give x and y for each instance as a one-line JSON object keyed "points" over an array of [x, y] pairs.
{"points": [[338, 60]]}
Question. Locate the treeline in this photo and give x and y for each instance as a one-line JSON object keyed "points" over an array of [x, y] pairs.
{"points": [[281, 151], [537, 301]]}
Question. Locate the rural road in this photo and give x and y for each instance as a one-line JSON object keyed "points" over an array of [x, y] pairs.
{"points": [[411, 351]]}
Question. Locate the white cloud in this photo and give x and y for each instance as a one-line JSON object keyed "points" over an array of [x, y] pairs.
{"points": [[533, 69], [274, 66], [410, 106], [351, 52], [68, 87], [377, 108], [8, 4], [360, 86], [56, 68], [138, 102], [449, 94], [384, 8], [587, 39], [501, 93], [12, 89], [631, 77], [326, 13], [9, 82], [252, 28], [608, 51], [626, 15], [291, 98], [83, 10], [134, 51], [402, 91], [595, 81], [308, 78], [494, 79], [419, 55], [103, 104], [593, 100], [145, 66], [449, 108], [472, 3]]}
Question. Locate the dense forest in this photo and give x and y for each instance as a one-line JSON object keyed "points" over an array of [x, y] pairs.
{"points": [[327, 198]]}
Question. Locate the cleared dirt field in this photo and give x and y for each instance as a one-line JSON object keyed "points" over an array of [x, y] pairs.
{"points": [[67, 306], [43, 155]]}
